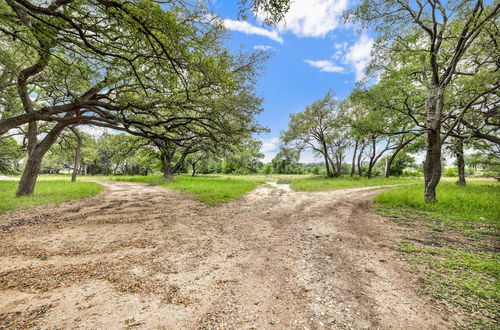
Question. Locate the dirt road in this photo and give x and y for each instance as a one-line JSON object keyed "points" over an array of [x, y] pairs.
{"points": [[146, 257]]}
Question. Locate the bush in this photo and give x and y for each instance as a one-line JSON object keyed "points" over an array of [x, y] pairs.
{"points": [[316, 170], [412, 173], [450, 172]]}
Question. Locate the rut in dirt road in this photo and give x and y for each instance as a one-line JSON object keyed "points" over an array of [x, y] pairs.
{"points": [[148, 257]]}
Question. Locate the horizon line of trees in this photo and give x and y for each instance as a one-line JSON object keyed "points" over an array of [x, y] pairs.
{"points": [[123, 154]]}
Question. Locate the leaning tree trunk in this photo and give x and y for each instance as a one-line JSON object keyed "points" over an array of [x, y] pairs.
{"points": [[353, 167], [32, 169], [327, 163], [400, 147], [459, 151], [373, 159], [79, 142], [360, 154], [432, 163], [390, 161], [370, 169], [32, 136]]}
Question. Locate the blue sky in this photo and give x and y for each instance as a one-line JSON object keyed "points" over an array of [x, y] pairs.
{"points": [[313, 52]]}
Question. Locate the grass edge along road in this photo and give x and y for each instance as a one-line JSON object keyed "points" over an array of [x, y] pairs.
{"points": [[320, 183], [46, 192], [211, 189], [452, 245], [217, 189]]}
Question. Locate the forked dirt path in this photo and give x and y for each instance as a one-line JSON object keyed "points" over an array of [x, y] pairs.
{"points": [[147, 257]]}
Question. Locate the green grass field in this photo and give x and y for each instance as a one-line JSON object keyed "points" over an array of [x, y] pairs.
{"points": [[46, 192], [454, 254], [211, 189], [320, 183], [216, 189], [479, 201]]}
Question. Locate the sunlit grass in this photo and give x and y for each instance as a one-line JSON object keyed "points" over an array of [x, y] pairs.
{"points": [[210, 189], [464, 274], [319, 183], [478, 201], [46, 192]]}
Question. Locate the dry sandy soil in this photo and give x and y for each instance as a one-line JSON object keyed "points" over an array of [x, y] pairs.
{"points": [[145, 257]]}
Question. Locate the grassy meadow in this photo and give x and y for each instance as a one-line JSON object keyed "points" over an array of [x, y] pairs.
{"points": [[211, 189], [477, 202], [46, 192], [319, 183], [455, 248]]}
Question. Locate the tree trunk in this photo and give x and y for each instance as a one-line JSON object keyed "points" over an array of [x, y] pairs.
{"points": [[30, 174], [79, 142], [167, 167], [369, 172], [327, 162], [353, 167], [193, 166], [168, 175], [32, 169], [459, 151], [360, 154], [32, 136], [432, 163], [390, 160], [371, 163], [338, 164]]}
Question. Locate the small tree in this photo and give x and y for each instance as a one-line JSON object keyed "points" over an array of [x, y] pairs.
{"points": [[313, 128], [286, 161]]}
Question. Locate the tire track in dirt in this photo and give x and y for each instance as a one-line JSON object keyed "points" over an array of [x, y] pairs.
{"points": [[147, 257]]}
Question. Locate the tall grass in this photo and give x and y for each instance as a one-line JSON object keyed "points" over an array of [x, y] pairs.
{"points": [[46, 192]]}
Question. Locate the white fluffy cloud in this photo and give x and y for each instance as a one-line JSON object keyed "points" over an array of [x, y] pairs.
{"points": [[262, 47], [353, 58], [325, 66], [271, 144], [248, 28], [269, 148], [313, 18], [359, 55]]}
